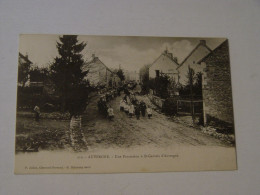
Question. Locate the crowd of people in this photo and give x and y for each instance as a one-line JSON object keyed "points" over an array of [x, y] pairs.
{"points": [[103, 104], [132, 107], [128, 104]]}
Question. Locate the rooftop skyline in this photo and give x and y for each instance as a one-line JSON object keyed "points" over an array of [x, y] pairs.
{"points": [[129, 52]]}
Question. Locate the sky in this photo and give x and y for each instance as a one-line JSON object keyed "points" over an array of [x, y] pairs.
{"points": [[130, 52]]}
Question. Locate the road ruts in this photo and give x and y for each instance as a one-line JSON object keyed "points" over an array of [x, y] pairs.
{"points": [[122, 131]]}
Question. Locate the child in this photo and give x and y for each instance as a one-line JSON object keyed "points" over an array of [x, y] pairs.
{"points": [[137, 112], [121, 105], [149, 112], [126, 108], [37, 113], [143, 108], [110, 112], [131, 110]]}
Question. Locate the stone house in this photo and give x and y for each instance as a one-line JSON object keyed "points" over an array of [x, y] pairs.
{"points": [[192, 59], [99, 74], [165, 64], [216, 86]]}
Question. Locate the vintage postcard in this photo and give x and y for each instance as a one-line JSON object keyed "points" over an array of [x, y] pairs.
{"points": [[112, 104]]}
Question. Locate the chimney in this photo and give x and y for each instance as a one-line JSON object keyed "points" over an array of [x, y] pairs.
{"points": [[175, 59], [166, 51], [170, 55], [203, 42], [94, 57]]}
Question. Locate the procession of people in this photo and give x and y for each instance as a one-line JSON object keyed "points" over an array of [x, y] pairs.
{"points": [[131, 106], [128, 104], [103, 107]]}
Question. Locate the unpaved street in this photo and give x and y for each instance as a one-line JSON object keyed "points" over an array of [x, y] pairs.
{"points": [[159, 131]]}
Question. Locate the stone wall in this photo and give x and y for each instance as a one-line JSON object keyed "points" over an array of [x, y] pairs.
{"points": [[217, 92]]}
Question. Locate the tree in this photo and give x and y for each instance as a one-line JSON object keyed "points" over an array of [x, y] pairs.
{"points": [[144, 76], [161, 86], [190, 76], [67, 74], [23, 69], [120, 74], [38, 74], [197, 87]]}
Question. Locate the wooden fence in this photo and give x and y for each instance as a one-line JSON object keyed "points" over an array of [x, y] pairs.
{"points": [[186, 106]]}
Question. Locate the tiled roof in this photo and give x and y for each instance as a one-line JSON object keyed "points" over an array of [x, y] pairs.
{"points": [[24, 57], [224, 42], [164, 54]]}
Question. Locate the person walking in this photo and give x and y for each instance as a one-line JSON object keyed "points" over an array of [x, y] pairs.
{"points": [[137, 111], [143, 108], [149, 112], [126, 108], [121, 105], [110, 112], [131, 110], [37, 113]]}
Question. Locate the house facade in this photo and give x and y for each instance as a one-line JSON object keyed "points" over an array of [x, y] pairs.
{"points": [[99, 74], [216, 86], [200, 51], [131, 75], [165, 64]]}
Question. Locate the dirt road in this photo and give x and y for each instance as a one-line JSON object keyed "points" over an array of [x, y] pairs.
{"points": [[159, 131]]}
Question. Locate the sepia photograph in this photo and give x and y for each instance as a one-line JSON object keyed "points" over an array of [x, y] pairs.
{"points": [[110, 104]]}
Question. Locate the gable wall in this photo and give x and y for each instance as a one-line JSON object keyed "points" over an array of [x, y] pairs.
{"points": [[97, 73], [164, 65], [217, 92]]}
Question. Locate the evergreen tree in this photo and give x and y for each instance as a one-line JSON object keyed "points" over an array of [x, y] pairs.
{"points": [[38, 74], [67, 74]]}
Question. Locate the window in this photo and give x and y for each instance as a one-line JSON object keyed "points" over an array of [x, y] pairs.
{"points": [[157, 72]]}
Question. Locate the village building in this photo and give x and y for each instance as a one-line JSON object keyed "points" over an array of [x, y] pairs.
{"points": [[192, 59], [99, 75], [216, 89], [165, 64], [24, 59], [131, 75]]}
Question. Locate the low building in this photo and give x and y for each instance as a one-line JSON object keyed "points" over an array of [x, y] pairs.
{"points": [[216, 89], [165, 64], [131, 75], [192, 59]]}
